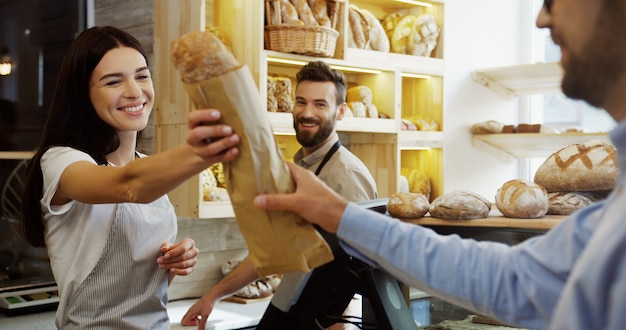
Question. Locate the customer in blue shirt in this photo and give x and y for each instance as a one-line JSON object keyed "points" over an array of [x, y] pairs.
{"points": [[572, 277]]}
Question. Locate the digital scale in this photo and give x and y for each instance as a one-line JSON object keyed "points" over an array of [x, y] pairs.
{"points": [[28, 298]]}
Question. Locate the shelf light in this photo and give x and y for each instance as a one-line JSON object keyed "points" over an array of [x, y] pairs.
{"points": [[336, 67], [284, 133], [416, 148], [285, 61], [417, 3], [415, 75], [353, 69]]}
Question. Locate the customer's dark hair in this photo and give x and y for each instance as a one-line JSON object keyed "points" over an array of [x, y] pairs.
{"points": [[72, 119], [320, 72]]}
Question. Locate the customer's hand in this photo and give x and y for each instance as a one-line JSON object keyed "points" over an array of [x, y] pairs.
{"points": [[313, 200], [179, 258], [212, 141]]}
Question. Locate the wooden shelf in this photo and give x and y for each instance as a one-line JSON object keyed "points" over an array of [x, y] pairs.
{"points": [[420, 139], [511, 146], [16, 154], [538, 78], [282, 123], [495, 221]]}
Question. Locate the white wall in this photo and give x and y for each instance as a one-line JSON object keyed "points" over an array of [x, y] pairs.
{"points": [[478, 34]]}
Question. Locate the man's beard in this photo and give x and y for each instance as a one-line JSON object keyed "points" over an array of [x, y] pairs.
{"points": [[307, 140], [589, 76]]}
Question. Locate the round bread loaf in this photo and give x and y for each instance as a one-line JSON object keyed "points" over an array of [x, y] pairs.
{"points": [[580, 167], [487, 127], [407, 205], [460, 205], [566, 202], [522, 199]]}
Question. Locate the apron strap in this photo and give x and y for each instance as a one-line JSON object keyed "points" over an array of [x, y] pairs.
{"points": [[329, 154]]}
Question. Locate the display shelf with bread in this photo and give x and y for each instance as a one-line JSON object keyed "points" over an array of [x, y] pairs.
{"points": [[399, 83], [519, 80], [511, 146]]}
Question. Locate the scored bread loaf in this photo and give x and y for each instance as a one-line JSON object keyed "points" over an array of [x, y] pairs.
{"points": [[460, 205], [407, 205], [522, 199], [579, 167], [566, 202]]}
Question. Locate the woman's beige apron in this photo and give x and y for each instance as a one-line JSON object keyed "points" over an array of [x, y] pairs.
{"points": [[126, 289]]}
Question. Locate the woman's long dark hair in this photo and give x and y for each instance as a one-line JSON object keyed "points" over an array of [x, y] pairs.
{"points": [[72, 120]]}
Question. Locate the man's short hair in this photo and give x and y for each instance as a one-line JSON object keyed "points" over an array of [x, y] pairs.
{"points": [[319, 71]]}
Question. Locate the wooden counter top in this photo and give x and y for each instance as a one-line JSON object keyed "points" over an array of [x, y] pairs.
{"points": [[493, 221]]}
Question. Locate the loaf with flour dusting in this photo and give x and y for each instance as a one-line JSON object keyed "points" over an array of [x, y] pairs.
{"points": [[460, 205], [522, 199], [407, 205]]}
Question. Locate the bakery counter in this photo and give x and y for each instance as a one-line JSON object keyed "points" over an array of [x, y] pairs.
{"points": [[226, 315], [493, 221], [493, 228]]}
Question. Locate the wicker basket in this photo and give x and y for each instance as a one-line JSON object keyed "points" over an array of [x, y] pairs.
{"points": [[300, 39]]}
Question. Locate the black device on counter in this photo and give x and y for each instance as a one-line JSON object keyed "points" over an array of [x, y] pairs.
{"points": [[318, 299]]}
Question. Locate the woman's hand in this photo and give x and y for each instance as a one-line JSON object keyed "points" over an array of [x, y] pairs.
{"points": [[209, 140], [179, 258], [199, 312]]}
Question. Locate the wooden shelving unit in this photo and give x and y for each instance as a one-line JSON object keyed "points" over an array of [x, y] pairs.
{"points": [[378, 142]]}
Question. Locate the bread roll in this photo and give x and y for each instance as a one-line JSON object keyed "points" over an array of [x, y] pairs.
{"points": [[360, 93], [460, 205], [284, 101], [580, 167], [272, 104], [566, 202], [407, 205], [522, 199], [487, 127], [358, 109]]}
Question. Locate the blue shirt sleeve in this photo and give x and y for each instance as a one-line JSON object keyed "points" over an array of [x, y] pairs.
{"points": [[519, 285]]}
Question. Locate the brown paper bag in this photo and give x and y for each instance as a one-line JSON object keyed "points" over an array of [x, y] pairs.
{"points": [[278, 242]]}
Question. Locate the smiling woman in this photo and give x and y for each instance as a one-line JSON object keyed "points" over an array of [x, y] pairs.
{"points": [[121, 225]]}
